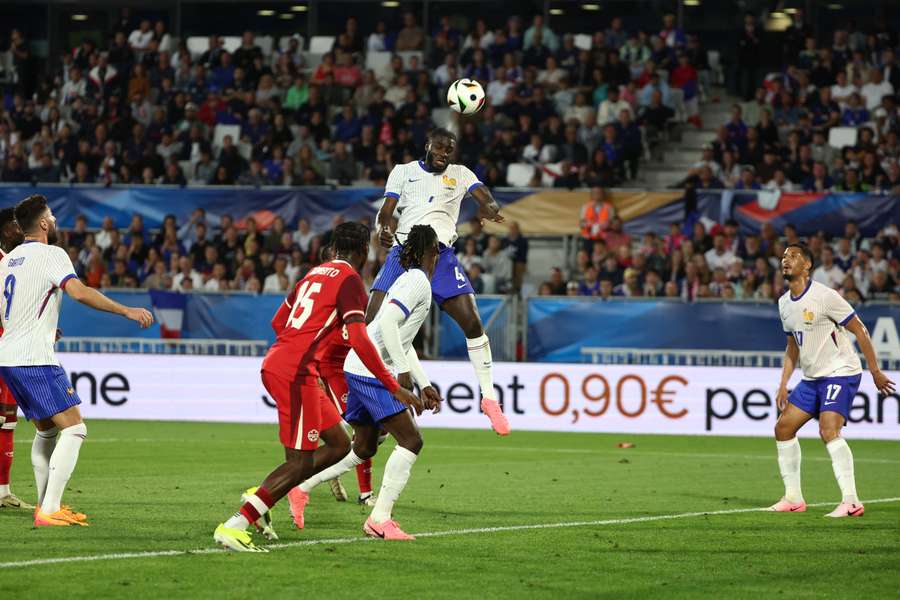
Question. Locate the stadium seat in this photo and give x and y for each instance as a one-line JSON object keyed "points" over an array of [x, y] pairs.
{"points": [[440, 116], [375, 60], [265, 43], [320, 44], [231, 42], [547, 177], [583, 41], [519, 174], [715, 64], [838, 137], [197, 45], [222, 130]]}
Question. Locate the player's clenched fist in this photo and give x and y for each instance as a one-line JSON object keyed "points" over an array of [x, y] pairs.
{"points": [[431, 399], [404, 396], [386, 238], [141, 315]]}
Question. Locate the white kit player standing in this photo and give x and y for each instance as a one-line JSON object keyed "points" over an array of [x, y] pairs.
{"points": [[33, 276], [815, 319]]}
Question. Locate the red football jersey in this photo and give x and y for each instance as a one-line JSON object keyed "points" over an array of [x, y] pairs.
{"points": [[312, 318]]}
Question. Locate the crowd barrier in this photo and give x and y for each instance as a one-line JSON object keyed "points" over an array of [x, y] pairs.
{"points": [[535, 396], [560, 329]]}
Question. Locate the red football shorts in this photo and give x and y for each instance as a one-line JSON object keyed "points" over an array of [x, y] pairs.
{"points": [[6, 396], [303, 410], [336, 389]]}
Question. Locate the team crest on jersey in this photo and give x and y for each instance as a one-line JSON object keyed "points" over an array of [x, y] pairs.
{"points": [[808, 316], [344, 399], [313, 435], [70, 391], [449, 181]]}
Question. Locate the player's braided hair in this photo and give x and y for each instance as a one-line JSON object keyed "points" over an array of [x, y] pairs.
{"points": [[419, 240], [350, 237]]}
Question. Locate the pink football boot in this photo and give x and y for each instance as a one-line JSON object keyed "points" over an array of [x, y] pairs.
{"points": [[498, 420], [389, 530], [298, 499], [784, 505], [847, 509]]}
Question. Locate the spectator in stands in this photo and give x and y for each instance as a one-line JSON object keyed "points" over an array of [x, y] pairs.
{"points": [[719, 256], [596, 217], [411, 37]]}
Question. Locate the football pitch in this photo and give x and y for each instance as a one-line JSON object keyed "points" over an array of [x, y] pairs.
{"points": [[531, 515]]}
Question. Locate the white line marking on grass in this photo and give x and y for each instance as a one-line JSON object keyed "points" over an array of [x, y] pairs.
{"points": [[502, 448], [427, 534]]}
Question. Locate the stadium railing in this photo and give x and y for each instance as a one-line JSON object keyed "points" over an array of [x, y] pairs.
{"points": [[124, 345], [698, 358]]}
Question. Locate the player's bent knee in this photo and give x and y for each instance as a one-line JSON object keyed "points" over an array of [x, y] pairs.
{"points": [[829, 434], [413, 443], [784, 431]]}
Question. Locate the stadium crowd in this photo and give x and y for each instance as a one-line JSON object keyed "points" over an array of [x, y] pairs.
{"points": [[143, 109], [779, 138], [720, 263]]}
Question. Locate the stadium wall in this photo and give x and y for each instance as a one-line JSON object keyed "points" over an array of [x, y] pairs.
{"points": [[536, 396]]}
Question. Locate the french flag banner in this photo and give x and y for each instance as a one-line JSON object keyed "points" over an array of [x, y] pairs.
{"points": [[169, 310]]}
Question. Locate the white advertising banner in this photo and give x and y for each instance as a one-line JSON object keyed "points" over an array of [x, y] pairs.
{"points": [[536, 396]]}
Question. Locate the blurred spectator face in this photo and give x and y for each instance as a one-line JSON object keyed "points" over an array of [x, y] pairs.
{"points": [[606, 288], [671, 289]]}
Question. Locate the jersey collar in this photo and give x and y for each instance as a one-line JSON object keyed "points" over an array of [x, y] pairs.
{"points": [[424, 166], [342, 261], [806, 289]]}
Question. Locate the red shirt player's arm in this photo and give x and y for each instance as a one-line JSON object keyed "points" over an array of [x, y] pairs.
{"points": [[351, 303], [279, 321]]}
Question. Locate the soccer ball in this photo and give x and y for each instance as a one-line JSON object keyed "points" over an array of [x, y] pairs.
{"points": [[465, 96]]}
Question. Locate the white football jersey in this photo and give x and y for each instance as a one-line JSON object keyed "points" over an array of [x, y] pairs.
{"points": [[816, 320], [33, 276], [412, 294], [427, 198]]}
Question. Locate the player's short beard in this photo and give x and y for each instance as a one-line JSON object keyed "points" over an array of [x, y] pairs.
{"points": [[52, 235]]}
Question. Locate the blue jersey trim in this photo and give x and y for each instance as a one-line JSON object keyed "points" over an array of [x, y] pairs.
{"points": [[804, 291], [424, 167], [473, 186], [847, 320], [400, 304], [62, 284], [394, 195]]}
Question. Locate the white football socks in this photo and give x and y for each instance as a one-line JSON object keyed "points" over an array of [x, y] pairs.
{"points": [[396, 474], [789, 465], [842, 463], [41, 451], [62, 464], [336, 470], [480, 357]]}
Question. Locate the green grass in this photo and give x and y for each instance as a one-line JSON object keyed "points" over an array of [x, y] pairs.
{"points": [[165, 486]]}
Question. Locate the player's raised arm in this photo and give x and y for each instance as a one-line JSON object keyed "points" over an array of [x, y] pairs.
{"points": [[91, 297], [384, 221], [488, 207], [791, 354], [393, 188], [858, 329]]}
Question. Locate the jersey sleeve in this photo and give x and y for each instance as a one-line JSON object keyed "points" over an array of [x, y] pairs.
{"points": [[837, 309], [351, 298], [394, 186], [59, 267], [279, 321], [409, 290], [468, 179]]}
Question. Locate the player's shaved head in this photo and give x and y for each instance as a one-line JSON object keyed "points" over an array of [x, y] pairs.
{"points": [[441, 133]]}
